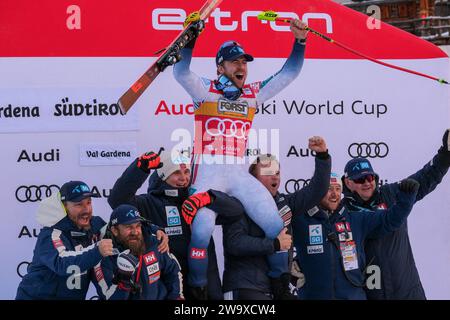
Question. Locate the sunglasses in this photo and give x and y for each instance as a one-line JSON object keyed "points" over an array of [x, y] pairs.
{"points": [[369, 178]]}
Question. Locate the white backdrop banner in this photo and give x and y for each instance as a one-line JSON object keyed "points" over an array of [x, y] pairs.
{"points": [[59, 120]]}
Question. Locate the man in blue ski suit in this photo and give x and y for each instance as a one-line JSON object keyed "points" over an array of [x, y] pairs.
{"points": [[329, 240], [66, 252], [140, 271]]}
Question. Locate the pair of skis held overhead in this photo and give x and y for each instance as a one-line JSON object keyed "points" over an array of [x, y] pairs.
{"points": [[193, 26]]}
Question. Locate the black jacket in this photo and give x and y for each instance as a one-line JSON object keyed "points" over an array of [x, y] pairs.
{"points": [[245, 245]]}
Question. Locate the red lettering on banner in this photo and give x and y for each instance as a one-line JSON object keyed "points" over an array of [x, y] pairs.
{"points": [[198, 253], [150, 258], [174, 110], [163, 20]]}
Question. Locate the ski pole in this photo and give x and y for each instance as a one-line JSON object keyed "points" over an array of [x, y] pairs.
{"points": [[273, 16]]}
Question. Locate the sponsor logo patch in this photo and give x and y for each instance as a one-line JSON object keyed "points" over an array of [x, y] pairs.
{"points": [[315, 249], [315, 234], [198, 253], [342, 237], [173, 216], [150, 258], [233, 107], [154, 277], [173, 231], [153, 268]]}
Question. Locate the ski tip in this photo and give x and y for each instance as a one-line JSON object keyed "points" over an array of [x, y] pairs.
{"points": [[268, 15], [443, 81]]}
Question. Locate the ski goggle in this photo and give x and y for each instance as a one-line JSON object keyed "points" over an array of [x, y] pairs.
{"points": [[369, 178]]}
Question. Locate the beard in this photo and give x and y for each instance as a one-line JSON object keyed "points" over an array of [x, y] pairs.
{"points": [[135, 243]]}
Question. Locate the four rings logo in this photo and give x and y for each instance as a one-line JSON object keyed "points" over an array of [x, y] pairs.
{"points": [[227, 128], [368, 150], [293, 185], [35, 193]]}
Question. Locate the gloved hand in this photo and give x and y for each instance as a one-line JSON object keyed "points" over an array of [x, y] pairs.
{"points": [[192, 17], [197, 26], [127, 265], [446, 141], [409, 185], [193, 203], [297, 274], [444, 150], [148, 161]]}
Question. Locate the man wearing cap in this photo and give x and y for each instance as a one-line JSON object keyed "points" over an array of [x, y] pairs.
{"points": [[66, 252], [329, 240], [168, 188], [392, 253], [140, 271], [224, 111], [247, 273]]}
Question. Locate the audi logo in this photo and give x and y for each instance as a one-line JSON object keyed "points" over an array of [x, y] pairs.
{"points": [[35, 193], [293, 185], [227, 128], [22, 268], [368, 150]]}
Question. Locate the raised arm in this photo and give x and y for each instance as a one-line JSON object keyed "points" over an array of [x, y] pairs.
{"points": [[54, 254], [291, 68], [435, 170], [311, 195], [381, 222], [194, 85]]}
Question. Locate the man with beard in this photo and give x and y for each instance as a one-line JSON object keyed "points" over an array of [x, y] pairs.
{"points": [[168, 188], [66, 252], [224, 109], [140, 271], [329, 240]]}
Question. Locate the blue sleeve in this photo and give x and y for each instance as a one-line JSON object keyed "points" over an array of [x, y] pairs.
{"points": [[310, 196], [430, 175], [54, 254], [229, 209], [238, 242], [125, 188], [195, 86], [288, 73], [172, 277], [381, 222], [154, 228]]}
